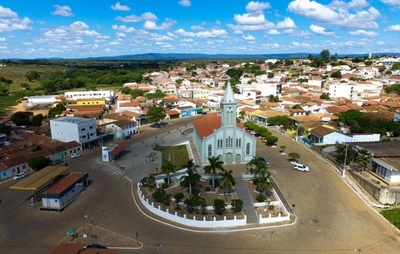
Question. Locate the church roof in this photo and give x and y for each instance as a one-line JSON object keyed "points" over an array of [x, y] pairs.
{"points": [[205, 126]]}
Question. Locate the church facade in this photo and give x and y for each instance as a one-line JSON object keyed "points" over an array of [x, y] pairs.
{"points": [[220, 135]]}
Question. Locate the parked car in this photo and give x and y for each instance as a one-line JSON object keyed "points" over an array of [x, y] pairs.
{"points": [[76, 155], [293, 161], [155, 125], [301, 167], [55, 162], [264, 161], [20, 175]]}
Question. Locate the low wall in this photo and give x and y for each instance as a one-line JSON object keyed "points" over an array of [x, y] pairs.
{"points": [[201, 223], [270, 218]]}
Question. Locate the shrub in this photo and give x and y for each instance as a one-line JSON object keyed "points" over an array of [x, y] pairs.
{"points": [[208, 188], [260, 198], [237, 205], [178, 197], [219, 206], [160, 195]]}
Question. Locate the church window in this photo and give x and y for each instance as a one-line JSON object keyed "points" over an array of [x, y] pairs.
{"points": [[229, 142], [209, 150], [219, 143], [238, 142], [247, 148]]}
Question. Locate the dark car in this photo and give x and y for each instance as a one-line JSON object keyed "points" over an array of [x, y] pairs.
{"points": [[264, 161], [155, 125], [55, 162]]}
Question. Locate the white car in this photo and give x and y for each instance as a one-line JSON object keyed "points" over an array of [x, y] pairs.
{"points": [[76, 155], [301, 167], [20, 175]]}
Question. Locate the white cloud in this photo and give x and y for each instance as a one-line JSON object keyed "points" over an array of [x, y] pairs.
{"points": [[391, 2], [380, 43], [249, 19], [354, 4], [185, 3], [196, 28], [274, 32], [287, 23], [249, 37], [187, 40], [120, 35], [321, 30], [326, 14], [202, 34], [151, 25], [119, 7], [62, 10], [257, 6], [392, 28], [2, 39], [9, 21], [134, 18], [123, 29], [363, 33], [7, 13]]}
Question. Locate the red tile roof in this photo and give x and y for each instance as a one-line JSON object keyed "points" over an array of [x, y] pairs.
{"points": [[64, 183], [119, 149], [205, 126]]}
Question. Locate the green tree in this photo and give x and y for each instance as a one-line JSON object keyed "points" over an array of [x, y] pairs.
{"points": [[32, 75], [396, 66], [336, 74], [38, 162], [155, 114], [214, 164], [294, 156], [168, 168], [297, 106], [191, 179], [324, 96], [37, 120], [325, 55], [136, 92], [219, 206], [20, 118], [271, 140], [363, 158], [193, 202], [160, 195], [227, 179], [237, 205], [58, 109]]}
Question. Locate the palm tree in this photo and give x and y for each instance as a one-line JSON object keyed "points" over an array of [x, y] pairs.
{"points": [[261, 170], [167, 168], [190, 179], [227, 180], [264, 185], [190, 166], [214, 164], [363, 158]]}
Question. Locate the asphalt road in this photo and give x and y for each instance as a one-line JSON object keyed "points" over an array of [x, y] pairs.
{"points": [[331, 218]]}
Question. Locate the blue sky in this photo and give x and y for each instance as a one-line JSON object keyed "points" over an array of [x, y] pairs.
{"points": [[90, 28]]}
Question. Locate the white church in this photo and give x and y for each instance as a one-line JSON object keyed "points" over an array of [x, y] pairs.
{"points": [[220, 135]]}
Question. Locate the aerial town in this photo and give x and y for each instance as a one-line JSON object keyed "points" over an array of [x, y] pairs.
{"points": [[278, 116]]}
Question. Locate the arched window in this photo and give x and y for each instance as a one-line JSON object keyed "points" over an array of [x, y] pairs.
{"points": [[209, 150], [247, 148]]}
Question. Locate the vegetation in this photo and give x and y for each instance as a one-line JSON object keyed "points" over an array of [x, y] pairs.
{"points": [[392, 215], [39, 162], [214, 164]]}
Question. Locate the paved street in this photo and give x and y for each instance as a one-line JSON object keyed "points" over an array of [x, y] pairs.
{"points": [[331, 218]]}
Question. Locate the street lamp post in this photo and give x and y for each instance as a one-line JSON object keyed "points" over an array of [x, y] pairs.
{"points": [[293, 206], [344, 163], [84, 218]]}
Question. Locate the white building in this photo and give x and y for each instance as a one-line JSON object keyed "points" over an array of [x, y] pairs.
{"points": [[107, 95], [42, 100], [81, 130], [352, 90], [219, 136]]}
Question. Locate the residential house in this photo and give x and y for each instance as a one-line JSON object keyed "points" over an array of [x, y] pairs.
{"points": [[122, 128]]}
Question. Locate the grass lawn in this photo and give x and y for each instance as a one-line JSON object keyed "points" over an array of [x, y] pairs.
{"points": [[177, 155], [392, 215]]}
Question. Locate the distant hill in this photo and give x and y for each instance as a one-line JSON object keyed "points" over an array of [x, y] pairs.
{"points": [[178, 56]]}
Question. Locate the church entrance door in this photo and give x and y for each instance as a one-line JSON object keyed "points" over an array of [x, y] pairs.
{"points": [[229, 158], [238, 158]]}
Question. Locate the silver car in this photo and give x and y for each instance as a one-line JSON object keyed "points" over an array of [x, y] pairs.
{"points": [[301, 167]]}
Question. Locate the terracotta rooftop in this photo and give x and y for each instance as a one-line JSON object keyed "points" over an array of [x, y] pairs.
{"points": [[382, 149], [66, 182], [321, 131], [205, 126]]}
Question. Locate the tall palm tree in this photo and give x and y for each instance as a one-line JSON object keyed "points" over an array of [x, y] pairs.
{"points": [[190, 166], [190, 180], [214, 164], [227, 180], [363, 158], [167, 168], [264, 185], [261, 170]]}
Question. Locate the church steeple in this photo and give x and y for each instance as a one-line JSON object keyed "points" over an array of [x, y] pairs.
{"points": [[228, 107], [229, 97]]}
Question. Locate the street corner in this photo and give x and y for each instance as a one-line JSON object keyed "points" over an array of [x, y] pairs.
{"points": [[94, 235]]}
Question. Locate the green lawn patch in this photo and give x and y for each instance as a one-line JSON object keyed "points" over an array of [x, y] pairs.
{"points": [[177, 155], [392, 215]]}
